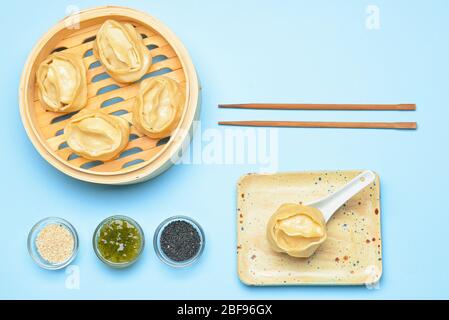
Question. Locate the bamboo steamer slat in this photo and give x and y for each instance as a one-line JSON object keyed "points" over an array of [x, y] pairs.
{"points": [[144, 158]]}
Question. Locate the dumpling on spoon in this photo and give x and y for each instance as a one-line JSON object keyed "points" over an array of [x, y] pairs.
{"points": [[62, 83], [296, 230], [121, 50], [158, 106], [95, 135]]}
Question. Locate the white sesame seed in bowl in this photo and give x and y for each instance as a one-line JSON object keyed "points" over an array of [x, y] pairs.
{"points": [[53, 243]]}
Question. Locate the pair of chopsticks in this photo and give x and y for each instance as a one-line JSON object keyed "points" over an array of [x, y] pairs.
{"points": [[318, 124]]}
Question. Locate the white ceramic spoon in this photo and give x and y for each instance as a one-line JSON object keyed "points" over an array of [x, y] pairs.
{"points": [[331, 203]]}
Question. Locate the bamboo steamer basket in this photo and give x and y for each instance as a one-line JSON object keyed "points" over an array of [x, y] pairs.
{"points": [[143, 158]]}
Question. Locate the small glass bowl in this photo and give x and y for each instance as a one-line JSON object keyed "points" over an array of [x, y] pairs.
{"points": [[97, 234], [157, 242], [34, 252]]}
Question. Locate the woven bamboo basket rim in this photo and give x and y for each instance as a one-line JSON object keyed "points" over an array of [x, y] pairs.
{"points": [[177, 61]]}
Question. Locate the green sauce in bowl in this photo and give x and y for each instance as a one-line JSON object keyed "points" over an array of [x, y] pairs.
{"points": [[118, 241]]}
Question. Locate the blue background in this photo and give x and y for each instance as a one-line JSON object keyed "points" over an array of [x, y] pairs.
{"points": [[246, 51]]}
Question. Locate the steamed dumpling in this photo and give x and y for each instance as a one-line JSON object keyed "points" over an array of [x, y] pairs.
{"points": [[95, 135], [62, 83], [158, 107], [121, 50], [296, 230]]}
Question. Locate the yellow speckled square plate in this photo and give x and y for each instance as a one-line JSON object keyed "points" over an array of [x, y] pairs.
{"points": [[352, 254]]}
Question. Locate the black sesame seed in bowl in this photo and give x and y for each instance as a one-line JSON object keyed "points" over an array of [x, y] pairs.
{"points": [[179, 241]]}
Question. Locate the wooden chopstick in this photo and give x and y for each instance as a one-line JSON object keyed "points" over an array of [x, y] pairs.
{"points": [[317, 124], [296, 106]]}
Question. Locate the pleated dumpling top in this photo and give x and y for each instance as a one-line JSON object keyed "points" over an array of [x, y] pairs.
{"points": [[62, 83], [296, 230], [95, 135], [121, 50], [158, 107]]}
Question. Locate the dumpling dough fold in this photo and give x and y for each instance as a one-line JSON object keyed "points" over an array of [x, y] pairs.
{"points": [[62, 83], [296, 230], [95, 135], [158, 107], [121, 50]]}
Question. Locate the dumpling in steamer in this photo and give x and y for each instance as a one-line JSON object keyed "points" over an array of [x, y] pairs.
{"points": [[95, 135], [62, 83], [158, 107], [121, 50]]}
